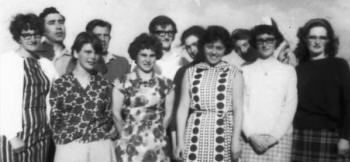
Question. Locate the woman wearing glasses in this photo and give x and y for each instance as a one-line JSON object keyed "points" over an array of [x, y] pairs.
{"points": [[24, 82], [270, 100], [322, 120]]}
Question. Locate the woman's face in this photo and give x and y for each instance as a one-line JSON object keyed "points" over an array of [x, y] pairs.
{"points": [[266, 44], [214, 52], [145, 60], [30, 40], [191, 45], [86, 57], [317, 40]]}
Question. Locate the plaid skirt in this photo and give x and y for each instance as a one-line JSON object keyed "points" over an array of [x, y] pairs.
{"points": [[278, 153], [316, 145]]}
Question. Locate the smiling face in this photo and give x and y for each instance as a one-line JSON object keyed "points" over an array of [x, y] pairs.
{"points": [[166, 35], [86, 57], [29, 40], [317, 40], [214, 52], [266, 45], [54, 27], [145, 60]]}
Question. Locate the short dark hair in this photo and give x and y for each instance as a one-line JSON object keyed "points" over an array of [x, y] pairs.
{"points": [[195, 30], [85, 38], [145, 41], [161, 20], [25, 22], [49, 10], [265, 29], [212, 34], [302, 51], [97, 22], [240, 34]]}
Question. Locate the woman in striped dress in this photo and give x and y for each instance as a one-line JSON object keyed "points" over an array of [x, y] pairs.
{"points": [[212, 89], [25, 83]]}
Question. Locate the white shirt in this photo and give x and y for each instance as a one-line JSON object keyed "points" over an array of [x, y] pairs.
{"points": [[270, 98], [234, 59], [169, 64]]}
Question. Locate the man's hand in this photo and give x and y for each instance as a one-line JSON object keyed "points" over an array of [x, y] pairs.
{"points": [[17, 144]]}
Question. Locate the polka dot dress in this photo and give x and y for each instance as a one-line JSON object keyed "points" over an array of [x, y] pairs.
{"points": [[210, 126]]}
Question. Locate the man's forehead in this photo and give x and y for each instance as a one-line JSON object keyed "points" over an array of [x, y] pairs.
{"points": [[100, 29], [164, 27], [53, 16]]}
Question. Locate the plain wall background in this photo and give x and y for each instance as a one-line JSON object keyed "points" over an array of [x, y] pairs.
{"points": [[131, 17]]}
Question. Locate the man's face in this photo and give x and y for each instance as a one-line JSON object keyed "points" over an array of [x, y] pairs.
{"points": [[166, 35], [54, 28], [103, 34], [266, 45]]}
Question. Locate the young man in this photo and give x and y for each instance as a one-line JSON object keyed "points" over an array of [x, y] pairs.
{"points": [[54, 34], [165, 30], [270, 101], [115, 66]]}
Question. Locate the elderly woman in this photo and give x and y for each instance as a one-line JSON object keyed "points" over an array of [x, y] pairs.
{"points": [[322, 120], [145, 99], [212, 89], [24, 82], [81, 116], [270, 100]]}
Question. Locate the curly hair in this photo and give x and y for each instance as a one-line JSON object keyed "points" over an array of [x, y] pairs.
{"points": [[195, 30], [265, 29], [145, 41], [161, 20], [302, 52], [213, 34], [97, 22], [25, 22]]}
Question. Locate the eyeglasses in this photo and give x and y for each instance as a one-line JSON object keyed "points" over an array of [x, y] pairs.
{"points": [[268, 41], [28, 36], [314, 38], [163, 33]]}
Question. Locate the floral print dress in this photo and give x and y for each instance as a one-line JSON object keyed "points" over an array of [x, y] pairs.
{"points": [[143, 138]]}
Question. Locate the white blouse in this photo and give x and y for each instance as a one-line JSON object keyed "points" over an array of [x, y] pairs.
{"points": [[270, 98]]}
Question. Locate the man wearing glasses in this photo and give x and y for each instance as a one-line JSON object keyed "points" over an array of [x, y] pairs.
{"points": [[53, 47], [111, 66], [165, 30]]}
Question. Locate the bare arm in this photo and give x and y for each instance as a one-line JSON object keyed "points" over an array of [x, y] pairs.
{"points": [[182, 111], [117, 104], [169, 104], [238, 112]]}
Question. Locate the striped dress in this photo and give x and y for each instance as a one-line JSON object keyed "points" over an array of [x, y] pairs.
{"points": [[35, 129]]}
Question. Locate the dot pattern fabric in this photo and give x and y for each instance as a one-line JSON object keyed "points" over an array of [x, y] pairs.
{"points": [[210, 126]]}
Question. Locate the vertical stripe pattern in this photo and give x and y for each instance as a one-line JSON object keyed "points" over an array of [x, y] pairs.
{"points": [[34, 120]]}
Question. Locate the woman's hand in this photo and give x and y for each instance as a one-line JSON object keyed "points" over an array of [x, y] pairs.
{"points": [[179, 152], [236, 151], [343, 147], [17, 144]]}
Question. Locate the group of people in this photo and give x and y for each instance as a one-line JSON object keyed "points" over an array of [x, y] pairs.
{"points": [[218, 97]]}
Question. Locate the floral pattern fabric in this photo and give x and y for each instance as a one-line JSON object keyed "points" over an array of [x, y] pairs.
{"points": [[143, 138], [80, 114]]}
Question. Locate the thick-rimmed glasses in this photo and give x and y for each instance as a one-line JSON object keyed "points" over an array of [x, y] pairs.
{"points": [[268, 41], [28, 36]]}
